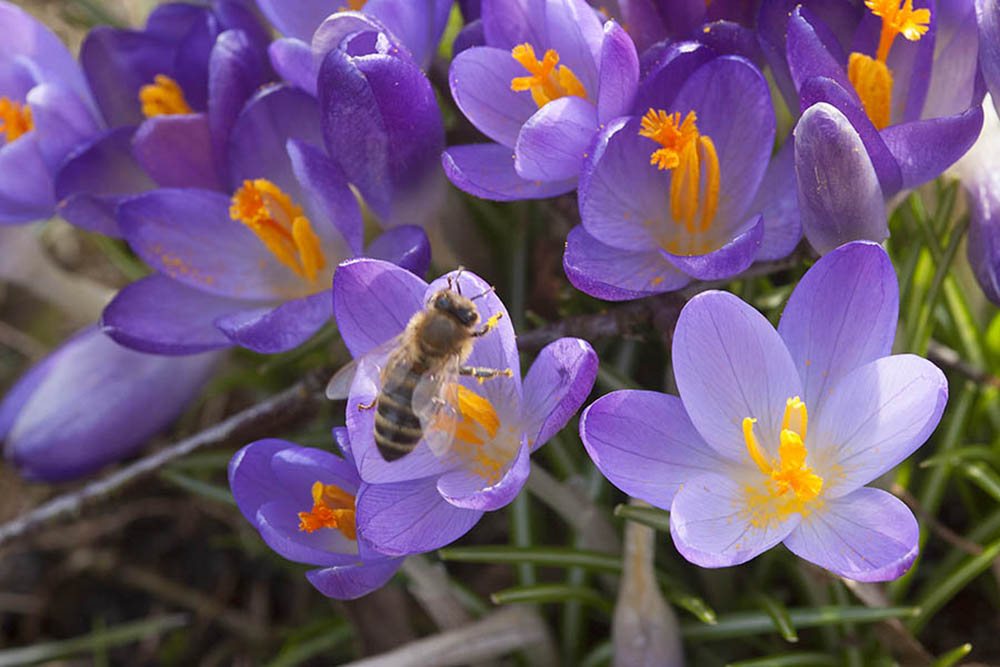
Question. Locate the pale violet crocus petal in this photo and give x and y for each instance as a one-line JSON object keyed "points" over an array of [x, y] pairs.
{"points": [[400, 518], [779, 205], [469, 489], [552, 144], [839, 195], [645, 444], [709, 523], [925, 148], [619, 75], [556, 385], [988, 21], [875, 417], [841, 315], [175, 150], [731, 364], [269, 330], [867, 535], [349, 582], [732, 258], [487, 171]]}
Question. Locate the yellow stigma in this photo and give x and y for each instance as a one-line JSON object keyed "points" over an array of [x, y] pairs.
{"points": [[280, 224], [163, 97], [684, 151], [332, 508], [871, 77], [546, 83], [790, 486], [476, 425], [15, 119]]}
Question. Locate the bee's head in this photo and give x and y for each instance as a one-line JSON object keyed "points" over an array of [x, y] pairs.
{"points": [[456, 306]]}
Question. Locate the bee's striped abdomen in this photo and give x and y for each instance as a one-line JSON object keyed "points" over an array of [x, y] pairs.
{"points": [[397, 427]]}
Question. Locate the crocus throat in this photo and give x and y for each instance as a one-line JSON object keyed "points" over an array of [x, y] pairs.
{"points": [[871, 77], [280, 225], [790, 487], [479, 443], [332, 508], [684, 151], [15, 119], [163, 97], [546, 83]]}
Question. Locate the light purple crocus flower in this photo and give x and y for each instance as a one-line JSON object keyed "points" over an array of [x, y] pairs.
{"points": [[169, 94], [502, 419], [46, 110], [304, 503], [249, 264], [776, 432], [548, 78], [92, 402], [884, 108], [680, 190]]}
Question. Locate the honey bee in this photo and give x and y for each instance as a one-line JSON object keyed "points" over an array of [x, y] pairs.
{"points": [[417, 398]]}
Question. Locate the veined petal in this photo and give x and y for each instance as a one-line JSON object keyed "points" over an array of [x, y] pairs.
{"points": [[839, 195], [556, 385], [552, 144], [808, 56], [730, 364], [645, 444], [176, 151], [988, 21], [779, 205], [269, 330], [875, 417], [406, 246], [619, 74], [480, 83], [348, 582], [292, 59], [298, 20], [487, 171], [729, 260], [867, 535], [841, 315], [62, 121], [925, 148], [465, 489], [709, 526], [25, 184]]}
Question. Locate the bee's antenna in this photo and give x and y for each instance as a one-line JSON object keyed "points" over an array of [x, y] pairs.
{"points": [[457, 282], [492, 288]]}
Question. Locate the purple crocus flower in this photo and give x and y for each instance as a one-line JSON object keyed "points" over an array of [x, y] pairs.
{"points": [[250, 263], [651, 21], [46, 110], [548, 78], [501, 420], [304, 503], [92, 402], [169, 95], [672, 194], [904, 90], [776, 432]]}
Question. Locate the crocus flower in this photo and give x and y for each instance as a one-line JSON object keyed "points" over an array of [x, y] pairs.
{"points": [[304, 502], [988, 20], [776, 432], [671, 193], [92, 402], [913, 108], [500, 421], [46, 110], [548, 77], [249, 264], [651, 21], [169, 94], [418, 24]]}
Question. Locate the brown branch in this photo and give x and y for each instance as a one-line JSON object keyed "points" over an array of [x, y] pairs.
{"points": [[938, 528], [950, 359], [295, 401], [635, 318]]}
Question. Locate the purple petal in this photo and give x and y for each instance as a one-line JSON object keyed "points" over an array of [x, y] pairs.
{"points": [[82, 414], [867, 535], [162, 316], [983, 246], [298, 19], [409, 517], [839, 195], [96, 177], [727, 261], [619, 74], [465, 488], [507, 24], [644, 22], [988, 20], [25, 184], [925, 148], [645, 444], [574, 30], [660, 85], [373, 300], [553, 143], [841, 315], [61, 119], [176, 151], [270, 330], [333, 207], [406, 246], [779, 205], [293, 60], [710, 523], [808, 56], [487, 171], [348, 582], [188, 235], [251, 478], [731, 39], [953, 76], [730, 364], [875, 417], [413, 22], [617, 275], [556, 385], [469, 36]]}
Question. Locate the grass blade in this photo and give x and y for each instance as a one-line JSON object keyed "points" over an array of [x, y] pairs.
{"points": [[943, 591], [745, 624], [649, 516], [552, 593]]}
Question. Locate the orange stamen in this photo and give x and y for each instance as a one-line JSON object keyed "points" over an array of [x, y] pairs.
{"points": [[332, 508], [163, 97], [546, 83], [15, 119]]}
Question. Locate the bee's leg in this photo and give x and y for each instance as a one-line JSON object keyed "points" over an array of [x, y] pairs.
{"points": [[368, 406], [483, 374], [487, 325]]}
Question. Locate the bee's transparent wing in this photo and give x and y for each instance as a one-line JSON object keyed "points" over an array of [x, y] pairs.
{"points": [[435, 402], [339, 386]]}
